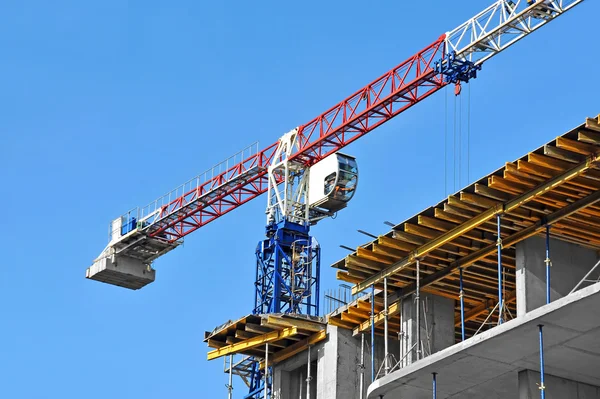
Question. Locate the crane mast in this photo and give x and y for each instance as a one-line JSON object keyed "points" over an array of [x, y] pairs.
{"points": [[305, 176]]}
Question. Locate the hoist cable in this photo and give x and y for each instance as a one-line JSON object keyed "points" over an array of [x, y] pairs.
{"points": [[469, 132], [454, 150], [446, 141], [459, 141]]}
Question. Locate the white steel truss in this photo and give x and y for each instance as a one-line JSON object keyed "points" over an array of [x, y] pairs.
{"points": [[288, 184], [501, 25]]}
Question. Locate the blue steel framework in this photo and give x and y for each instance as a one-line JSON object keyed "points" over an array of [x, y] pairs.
{"points": [[287, 271], [288, 267]]}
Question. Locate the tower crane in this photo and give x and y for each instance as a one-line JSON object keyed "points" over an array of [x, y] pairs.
{"points": [[305, 176]]}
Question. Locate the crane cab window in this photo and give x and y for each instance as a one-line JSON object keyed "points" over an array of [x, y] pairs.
{"points": [[346, 184], [329, 183]]}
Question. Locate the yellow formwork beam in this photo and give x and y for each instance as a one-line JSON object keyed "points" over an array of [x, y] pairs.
{"points": [[473, 257], [485, 306], [393, 309], [250, 343], [294, 349], [476, 221], [292, 322]]}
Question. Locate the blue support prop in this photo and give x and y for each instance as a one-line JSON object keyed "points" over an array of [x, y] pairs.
{"points": [[434, 385], [372, 333], [499, 244], [548, 263], [462, 306], [542, 386]]}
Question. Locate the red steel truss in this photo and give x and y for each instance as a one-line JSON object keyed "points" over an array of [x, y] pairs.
{"points": [[357, 115]]}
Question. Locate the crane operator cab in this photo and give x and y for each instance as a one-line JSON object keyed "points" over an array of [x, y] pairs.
{"points": [[332, 182]]}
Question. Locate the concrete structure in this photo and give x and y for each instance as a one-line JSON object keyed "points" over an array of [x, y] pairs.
{"points": [[437, 326], [529, 387], [569, 264], [335, 370], [492, 364], [502, 362], [490, 244], [336, 362]]}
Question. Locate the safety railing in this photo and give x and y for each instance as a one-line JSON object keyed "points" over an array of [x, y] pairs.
{"points": [[148, 214]]}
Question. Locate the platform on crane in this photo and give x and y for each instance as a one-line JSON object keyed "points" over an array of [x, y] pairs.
{"points": [[126, 261]]}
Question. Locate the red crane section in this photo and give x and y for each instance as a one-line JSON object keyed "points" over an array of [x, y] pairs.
{"points": [[394, 92]]}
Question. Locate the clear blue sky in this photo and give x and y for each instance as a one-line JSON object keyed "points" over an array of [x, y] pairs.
{"points": [[106, 105]]}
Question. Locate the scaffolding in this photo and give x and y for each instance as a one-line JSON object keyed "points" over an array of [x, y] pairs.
{"points": [[464, 249]]}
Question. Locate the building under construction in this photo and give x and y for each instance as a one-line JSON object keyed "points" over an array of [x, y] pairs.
{"points": [[471, 298], [490, 293]]}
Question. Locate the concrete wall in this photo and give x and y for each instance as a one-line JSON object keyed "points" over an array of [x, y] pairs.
{"points": [[556, 388], [289, 377], [570, 263], [437, 326], [336, 361], [335, 367], [339, 365]]}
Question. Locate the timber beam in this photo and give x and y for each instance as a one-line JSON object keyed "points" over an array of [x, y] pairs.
{"points": [[470, 259], [511, 240], [251, 343], [295, 348], [476, 221]]}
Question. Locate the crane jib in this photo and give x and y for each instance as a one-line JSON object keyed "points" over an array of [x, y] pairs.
{"points": [[365, 110], [488, 33], [143, 234]]}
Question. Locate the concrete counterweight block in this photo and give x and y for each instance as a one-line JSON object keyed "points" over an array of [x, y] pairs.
{"points": [[123, 271]]}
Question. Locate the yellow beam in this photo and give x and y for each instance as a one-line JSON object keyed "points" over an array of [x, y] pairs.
{"points": [[370, 255], [461, 229], [358, 311], [334, 321], [483, 307], [295, 348], [576, 146], [252, 343], [589, 137], [393, 309], [351, 318], [511, 240], [395, 243], [593, 124], [215, 344], [291, 322]]}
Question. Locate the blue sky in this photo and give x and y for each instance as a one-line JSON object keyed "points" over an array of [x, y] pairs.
{"points": [[107, 105]]}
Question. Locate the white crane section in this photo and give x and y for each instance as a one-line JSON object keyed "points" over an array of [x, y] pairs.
{"points": [[133, 243], [304, 195], [501, 25]]}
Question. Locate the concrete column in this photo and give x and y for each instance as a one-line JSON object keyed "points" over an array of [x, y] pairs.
{"points": [[289, 377], [437, 323], [281, 382], [556, 387], [337, 371], [338, 361], [327, 366], [570, 263]]}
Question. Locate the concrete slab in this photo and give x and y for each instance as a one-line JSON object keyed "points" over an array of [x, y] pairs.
{"points": [[474, 368], [556, 388]]}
